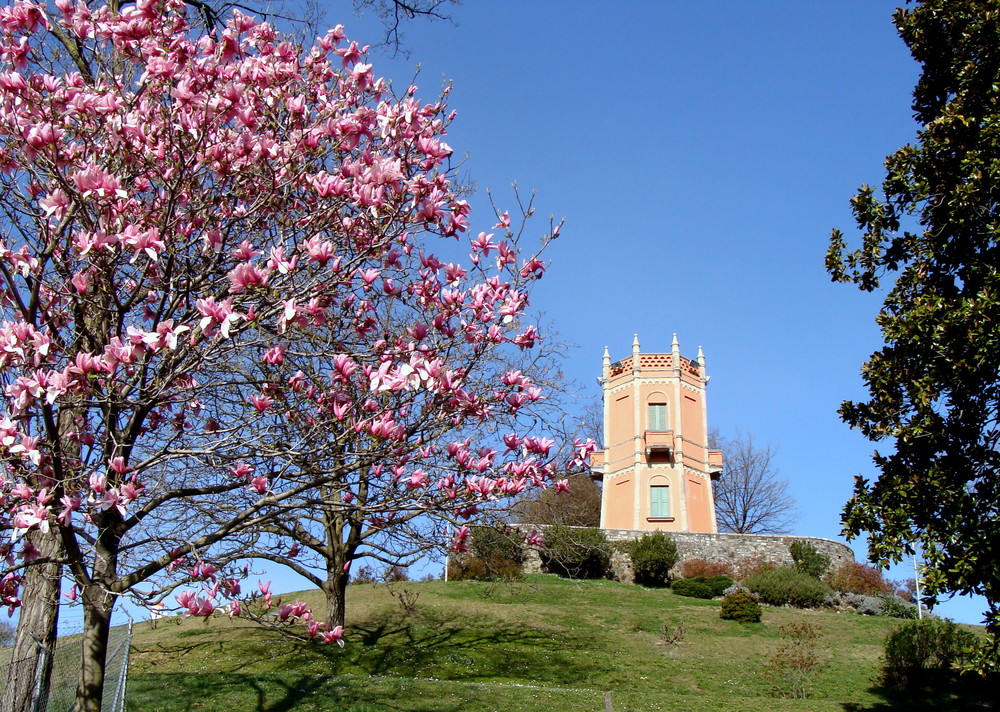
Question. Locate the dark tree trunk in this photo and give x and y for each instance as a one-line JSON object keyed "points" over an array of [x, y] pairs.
{"points": [[335, 589], [97, 605], [36, 628]]}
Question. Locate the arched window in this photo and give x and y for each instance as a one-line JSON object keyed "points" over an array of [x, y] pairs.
{"points": [[659, 501]]}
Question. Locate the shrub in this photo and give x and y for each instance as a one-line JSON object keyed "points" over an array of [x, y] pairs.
{"points": [[865, 605], [492, 568], [858, 578], [576, 552], [750, 565], [466, 568], [499, 541], [740, 606], [720, 583], [702, 587], [807, 559], [695, 568], [925, 652], [797, 661], [365, 574], [652, 558], [672, 633], [786, 585], [896, 607], [693, 588], [395, 574], [496, 554]]}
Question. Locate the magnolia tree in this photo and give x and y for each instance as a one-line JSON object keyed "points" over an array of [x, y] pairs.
{"points": [[407, 409], [449, 409], [221, 307]]}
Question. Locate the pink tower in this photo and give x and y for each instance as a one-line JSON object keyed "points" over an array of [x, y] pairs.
{"points": [[656, 465]]}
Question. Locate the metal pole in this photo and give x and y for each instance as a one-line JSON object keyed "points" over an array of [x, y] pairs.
{"points": [[40, 662], [916, 581], [119, 704]]}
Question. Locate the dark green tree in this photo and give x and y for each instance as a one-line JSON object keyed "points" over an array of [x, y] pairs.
{"points": [[933, 231]]}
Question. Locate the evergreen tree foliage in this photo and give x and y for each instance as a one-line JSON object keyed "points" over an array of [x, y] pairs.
{"points": [[931, 237]]}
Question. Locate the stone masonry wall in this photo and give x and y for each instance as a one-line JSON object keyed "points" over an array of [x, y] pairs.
{"points": [[728, 548]]}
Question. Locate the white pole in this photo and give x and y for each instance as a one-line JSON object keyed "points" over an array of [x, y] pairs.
{"points": [[916, 580]]}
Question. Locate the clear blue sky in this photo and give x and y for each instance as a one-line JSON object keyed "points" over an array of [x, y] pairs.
{"points": [[722, 141]]}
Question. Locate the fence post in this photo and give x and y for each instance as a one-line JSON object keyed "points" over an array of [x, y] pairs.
{"points": [[40, 661], [119, 703]]}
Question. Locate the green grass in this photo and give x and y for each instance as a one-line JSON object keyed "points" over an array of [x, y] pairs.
{"points": [[544, 645]]}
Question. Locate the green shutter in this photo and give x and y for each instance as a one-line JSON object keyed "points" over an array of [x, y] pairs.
{"points": [[658, 417], [659, 501]]}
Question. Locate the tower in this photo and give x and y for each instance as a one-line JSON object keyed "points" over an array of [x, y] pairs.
{"points": [[656, 465]]}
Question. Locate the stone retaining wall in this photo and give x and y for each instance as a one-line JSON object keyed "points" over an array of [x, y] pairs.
{"points": [[725, 548]]}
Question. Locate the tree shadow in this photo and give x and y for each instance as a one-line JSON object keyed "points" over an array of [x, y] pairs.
{"points": [[390, 645], [968, 693], [462, 646]]}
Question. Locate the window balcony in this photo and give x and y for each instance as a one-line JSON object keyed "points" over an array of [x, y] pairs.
{"points": [[715, 462], [597, 464], [660, 442]]}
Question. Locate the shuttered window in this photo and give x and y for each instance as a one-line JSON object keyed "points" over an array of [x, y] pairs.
{"points": [[657, 417], [659, 502]]}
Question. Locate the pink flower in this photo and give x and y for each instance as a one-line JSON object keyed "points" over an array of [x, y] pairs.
{"points": [[274, 355], [335, 634], [261, 402], [245, 276], [259, 484]]}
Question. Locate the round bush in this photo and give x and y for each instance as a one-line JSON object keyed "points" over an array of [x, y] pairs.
{"points": [[788, 586], [719, 583], [576, 552], [924, 653], [693, 588], [652, 558], [740, 606]]}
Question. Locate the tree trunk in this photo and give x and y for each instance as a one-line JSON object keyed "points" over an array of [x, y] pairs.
{"points": [[36, 628], [97, 605], [335, 589]]}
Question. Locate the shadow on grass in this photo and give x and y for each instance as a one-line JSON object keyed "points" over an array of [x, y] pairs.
{"points": [[273, 692], [395, 647], [967, 694]]}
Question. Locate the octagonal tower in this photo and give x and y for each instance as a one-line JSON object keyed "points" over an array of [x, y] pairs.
{"points": [[656, 466]]}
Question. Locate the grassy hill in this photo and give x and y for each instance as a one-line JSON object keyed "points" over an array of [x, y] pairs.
{"points": [[543, 645]]}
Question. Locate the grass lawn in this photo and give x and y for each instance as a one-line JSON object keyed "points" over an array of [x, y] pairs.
{"points": [[544, 645]]}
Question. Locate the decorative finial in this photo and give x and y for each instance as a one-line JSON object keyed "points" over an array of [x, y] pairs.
{"points": [[675, 344], [635, 343]]}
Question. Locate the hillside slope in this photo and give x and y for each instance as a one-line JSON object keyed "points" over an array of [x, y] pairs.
{"points": [[544, 645]]}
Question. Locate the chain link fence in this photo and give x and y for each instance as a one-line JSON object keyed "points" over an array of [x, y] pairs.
{"points": [[58, 692]]}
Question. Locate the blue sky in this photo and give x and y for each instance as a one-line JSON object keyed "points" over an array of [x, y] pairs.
{"points": [[720, 140]]}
